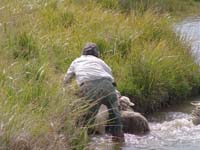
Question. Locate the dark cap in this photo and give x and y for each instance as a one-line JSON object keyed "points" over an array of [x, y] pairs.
{"points": [[91, 49]]}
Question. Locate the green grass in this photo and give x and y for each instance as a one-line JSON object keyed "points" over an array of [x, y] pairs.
{"points": [[178, 8], [39, 40]]}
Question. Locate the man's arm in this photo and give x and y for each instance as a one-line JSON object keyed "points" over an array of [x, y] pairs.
{"points": [[69, 75], [68, 78]]}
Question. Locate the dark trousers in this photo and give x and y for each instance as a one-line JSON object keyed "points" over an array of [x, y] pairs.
{"points": [[99, 92]]}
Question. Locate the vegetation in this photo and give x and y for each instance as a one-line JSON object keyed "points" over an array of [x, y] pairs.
{"points": [[39, 39], [178, 8]]}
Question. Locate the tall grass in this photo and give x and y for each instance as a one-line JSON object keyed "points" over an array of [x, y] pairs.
{"points": [[38, 41], [179, 8]]}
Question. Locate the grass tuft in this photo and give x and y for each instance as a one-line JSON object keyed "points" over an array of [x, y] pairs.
{"points": [[25, 47]]}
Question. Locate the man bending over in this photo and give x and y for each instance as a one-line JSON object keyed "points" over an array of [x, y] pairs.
{"points": [[97, 84]]}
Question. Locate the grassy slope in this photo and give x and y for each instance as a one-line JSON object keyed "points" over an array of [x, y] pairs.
{"points": [[39, 39], [178, 8]]}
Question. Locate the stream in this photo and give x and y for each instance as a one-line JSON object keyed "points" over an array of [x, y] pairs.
{"points": [[171, 128]]}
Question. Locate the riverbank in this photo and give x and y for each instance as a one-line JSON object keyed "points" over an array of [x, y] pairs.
{"points": [[179, 8], [38, 41]]}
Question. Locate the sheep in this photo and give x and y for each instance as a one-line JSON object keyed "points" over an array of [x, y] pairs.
{"points": [[133, 122]]}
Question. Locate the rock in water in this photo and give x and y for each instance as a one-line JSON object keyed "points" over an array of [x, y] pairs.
{"points": [[196, 115], [196, 112]]}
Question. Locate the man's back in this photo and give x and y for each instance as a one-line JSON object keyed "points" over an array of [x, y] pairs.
{"points": [[88, 67]]}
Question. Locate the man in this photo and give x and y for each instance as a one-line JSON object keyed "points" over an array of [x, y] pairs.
{"points": [[97, 84]]}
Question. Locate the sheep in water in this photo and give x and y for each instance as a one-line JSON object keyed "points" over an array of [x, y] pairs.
{"points": [[133, 122], [196, 112]]}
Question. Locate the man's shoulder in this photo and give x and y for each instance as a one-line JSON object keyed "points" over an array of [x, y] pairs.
{"points": [[78, 58], [88, 58]]}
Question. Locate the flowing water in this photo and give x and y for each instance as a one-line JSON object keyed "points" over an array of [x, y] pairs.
{"points": [[189, 30], [171, 128]]}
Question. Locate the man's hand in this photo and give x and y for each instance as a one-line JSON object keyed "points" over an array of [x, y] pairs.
{"points": [[125, 103], [68, 78]]}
